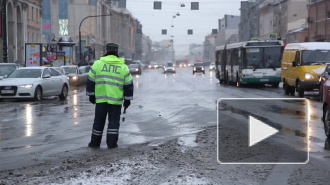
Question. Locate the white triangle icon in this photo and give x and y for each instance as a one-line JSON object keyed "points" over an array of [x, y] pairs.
{"points": [[259, 131]]}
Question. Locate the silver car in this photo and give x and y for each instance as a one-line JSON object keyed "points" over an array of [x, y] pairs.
{"points": [[76, 75]]}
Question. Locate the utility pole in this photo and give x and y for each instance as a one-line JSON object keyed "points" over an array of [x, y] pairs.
{"points": [[4, 30]]}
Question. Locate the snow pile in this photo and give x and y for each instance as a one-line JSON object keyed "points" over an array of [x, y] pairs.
{"points": [[123, 172]]}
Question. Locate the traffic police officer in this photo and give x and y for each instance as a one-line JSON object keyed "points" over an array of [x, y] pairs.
{"points": [[109, 85]]}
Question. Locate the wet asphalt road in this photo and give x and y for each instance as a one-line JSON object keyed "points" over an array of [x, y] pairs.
{"points": [[165, 107]]}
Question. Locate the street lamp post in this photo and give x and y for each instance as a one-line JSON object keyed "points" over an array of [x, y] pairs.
{"points": [[80, 54]]}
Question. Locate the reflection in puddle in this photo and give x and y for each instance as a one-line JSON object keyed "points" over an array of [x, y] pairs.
{"points": [[29, 119], [75, 99]]}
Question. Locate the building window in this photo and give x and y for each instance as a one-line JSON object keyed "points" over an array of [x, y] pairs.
{"points": [[32, 14], [37, 15], [28, 13], [32, 37], [28, 36], [37, 38]]}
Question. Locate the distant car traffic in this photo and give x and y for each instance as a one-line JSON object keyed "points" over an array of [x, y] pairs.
{"points": [[6, 69], [76, 75], [34, 82], [199, 67], [135, 69], [169, 68], [212, 67]]}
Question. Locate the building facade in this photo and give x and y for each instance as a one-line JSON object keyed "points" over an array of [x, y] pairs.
{"points": [[209, 48], [249, 24], [228, 26], [318, 20], [23, 26]]}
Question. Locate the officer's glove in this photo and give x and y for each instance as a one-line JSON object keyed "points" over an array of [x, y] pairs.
{"points": [[92, 99], [127, 103]]}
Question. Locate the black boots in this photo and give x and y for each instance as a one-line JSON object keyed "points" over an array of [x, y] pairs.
{"points": [[95, 141]]}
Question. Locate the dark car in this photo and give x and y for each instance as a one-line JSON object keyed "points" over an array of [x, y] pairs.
{"points": [[135, 69], [323, 78], [199, 67], [6, 69], [326, 107]]}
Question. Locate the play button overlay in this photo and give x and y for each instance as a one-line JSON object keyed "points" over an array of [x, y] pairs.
{"points": [[259, 131], [263, 131]]}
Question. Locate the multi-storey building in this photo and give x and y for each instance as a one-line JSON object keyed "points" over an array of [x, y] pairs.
{"points": [[23, 25], [318, 20]]}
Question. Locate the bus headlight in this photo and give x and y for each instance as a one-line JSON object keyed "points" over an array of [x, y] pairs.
{"points": [[309, 76]]}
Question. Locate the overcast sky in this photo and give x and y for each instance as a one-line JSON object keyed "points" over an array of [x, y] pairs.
{"points": [[202, 21]]}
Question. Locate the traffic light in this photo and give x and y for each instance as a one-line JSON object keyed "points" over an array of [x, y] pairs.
{"points": [[186, 58], [198, 59]]}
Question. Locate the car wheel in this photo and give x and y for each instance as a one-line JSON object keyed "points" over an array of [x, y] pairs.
{"points": [[327, 122], [292, 90], [286, 88], [64, 92], [38, 94], [300, 90]]}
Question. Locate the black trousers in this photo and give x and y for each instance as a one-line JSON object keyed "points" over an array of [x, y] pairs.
{"points": [[101, 112]]}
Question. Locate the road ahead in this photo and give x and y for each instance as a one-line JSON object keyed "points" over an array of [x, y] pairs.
{"points": [[169, 136]]}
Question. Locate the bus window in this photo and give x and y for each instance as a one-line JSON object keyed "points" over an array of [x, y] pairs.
{"points": [[235, 57]]}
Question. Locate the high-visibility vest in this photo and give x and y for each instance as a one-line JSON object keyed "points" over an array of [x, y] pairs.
{"points": [[110, 75]]}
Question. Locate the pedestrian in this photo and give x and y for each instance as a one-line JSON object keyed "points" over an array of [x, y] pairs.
{"points": [[109, 85]]}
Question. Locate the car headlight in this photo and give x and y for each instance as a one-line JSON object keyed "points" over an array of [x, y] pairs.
{"points": [[75, 77], [136, 69], [309, 76], [149, 66], [202, 68], [26, 86], [194, 68]]}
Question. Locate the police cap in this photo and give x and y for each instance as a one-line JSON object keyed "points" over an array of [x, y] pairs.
{"points": [[112, 46]]}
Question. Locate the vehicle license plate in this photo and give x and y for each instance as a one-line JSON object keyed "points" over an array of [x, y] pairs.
{"points": [[7, 91]]}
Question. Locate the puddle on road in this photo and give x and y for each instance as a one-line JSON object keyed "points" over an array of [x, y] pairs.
{"points": [[188, 141], [20, 147]]}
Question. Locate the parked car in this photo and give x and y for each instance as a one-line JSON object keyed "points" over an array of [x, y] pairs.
{"points": [[135, 69], [169, 68], [6, 69], [198, 67], [34, 82], [76, 75]]}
